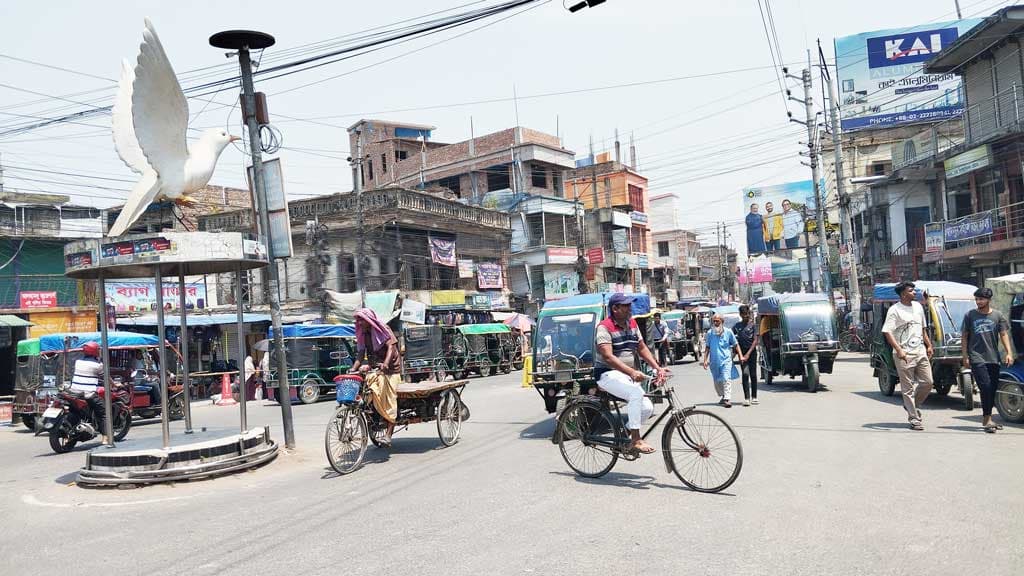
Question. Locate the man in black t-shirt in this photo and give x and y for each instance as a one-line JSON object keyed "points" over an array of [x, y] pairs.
{"points": [[747, 337], [983, 330]]}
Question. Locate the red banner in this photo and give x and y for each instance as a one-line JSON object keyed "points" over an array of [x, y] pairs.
{"points": [[37, 299], [595, 255]]}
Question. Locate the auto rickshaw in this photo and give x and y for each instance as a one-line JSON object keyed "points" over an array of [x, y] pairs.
{"points": [[315, 354], [47, 363], [680, 338], [1008, 298], [563, 344], [945, 305], [488, 348], [425, 356], [730, 314], [798, 337]]}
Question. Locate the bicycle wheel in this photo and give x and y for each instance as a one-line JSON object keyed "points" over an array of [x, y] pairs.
{"points": [[586, 435], [345, 440], [707, 455], [847, 343]]}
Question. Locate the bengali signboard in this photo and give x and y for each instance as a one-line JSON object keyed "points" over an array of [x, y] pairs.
{"points": [[882, 81], [465, 268], [37, 299], [561, 255], [141, 296], [968, 227], [969, 161], [933, 237], [489, 275], [595, 255]]}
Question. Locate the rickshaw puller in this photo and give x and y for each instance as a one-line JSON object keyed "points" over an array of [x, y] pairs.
{"points": [[618, 341], [377, 344], [87, 380]]}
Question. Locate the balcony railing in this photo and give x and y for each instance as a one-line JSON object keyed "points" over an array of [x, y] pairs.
{"points": [[980, 121], [982, 228]]}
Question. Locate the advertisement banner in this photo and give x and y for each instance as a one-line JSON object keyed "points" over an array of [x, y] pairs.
{"points": [[755, 270], [442, 251], [414, 312], [620, 240], [561, 255], [775, 216], [141, 296], [489, 275], [61, 322], [37, 299], [560, 285], [882, 81], [690, 288], [499, 301], [465, 268], [968, 227], [595, 255], [933, 237]]}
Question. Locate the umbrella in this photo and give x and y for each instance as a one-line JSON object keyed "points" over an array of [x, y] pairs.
{"points": [[520, 322]]}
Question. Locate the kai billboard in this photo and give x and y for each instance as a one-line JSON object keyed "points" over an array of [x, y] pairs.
{"points": [[882, 81]]}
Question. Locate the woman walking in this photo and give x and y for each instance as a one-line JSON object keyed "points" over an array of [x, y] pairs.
{"points": [[720, 345]]}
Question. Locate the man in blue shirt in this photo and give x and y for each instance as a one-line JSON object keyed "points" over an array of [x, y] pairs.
{"points": [[720, 345]]}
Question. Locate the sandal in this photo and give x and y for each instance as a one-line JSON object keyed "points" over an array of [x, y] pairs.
{"points": [[989, 429], [647, 450]]}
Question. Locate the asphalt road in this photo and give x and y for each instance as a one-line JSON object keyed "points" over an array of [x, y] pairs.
{"points": [[833, 483]]}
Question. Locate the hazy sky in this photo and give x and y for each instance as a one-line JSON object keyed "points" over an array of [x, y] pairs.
{"points": [[686, 129]]}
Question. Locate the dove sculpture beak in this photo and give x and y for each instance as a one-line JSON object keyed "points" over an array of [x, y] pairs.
{"points": [[234, 138]]}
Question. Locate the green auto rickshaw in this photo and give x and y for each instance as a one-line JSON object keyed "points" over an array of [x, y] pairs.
{"points": [[798, 337]]}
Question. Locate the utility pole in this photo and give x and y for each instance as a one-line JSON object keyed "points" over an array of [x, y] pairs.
{"points": [[812, 153], [718, 245], [243, 41], [581, 258], [357, 187], [853, 280]]}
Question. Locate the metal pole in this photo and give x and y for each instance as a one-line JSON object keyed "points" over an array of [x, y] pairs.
{"points": [[812, 146], [108, 406], [255, 149], [186, 388], [165, 425], [853, 282], [357, 187], [244, 424]]}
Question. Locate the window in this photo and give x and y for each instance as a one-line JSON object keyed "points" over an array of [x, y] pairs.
{"points": [[636, 197], [451, 183], [497, 178], [538, 177], [369, 170], [557, 184], [383, 164], [663, 251], [880, 168], [401, 155]]}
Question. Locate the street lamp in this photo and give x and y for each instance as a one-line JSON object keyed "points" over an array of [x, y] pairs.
{"points": [[585, 4]]}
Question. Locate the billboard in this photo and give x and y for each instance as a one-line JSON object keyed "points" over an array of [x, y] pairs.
{"points": [[775, 216], [882, 82]]}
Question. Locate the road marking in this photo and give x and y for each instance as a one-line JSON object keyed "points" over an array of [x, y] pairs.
{"points": [[33, 501]]}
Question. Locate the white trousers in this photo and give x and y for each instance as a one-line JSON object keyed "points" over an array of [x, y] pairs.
{"points": [[724, 389], [638, 407]]}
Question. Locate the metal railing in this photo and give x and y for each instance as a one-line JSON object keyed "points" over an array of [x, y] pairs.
{"points": [[984, 227], [980, 121]]}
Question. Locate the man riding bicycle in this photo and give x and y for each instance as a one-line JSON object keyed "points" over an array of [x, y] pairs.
{"points": [[618, 341]]}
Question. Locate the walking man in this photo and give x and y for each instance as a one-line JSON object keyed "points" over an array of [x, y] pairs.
{"points": [[720, 345], [659, 338], [983, 330], [747, 338], [904, 329]]}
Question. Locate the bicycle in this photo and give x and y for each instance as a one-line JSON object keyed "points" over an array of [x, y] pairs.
{"points": [[592, 437], [851, 341]]}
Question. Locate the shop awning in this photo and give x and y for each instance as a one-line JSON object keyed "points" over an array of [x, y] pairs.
{"points": [[194, 320], [12, 321], [316, 331], [484, 329]]}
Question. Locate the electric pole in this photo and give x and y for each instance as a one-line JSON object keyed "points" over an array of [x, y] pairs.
{"points": [[357, 187], [581, 259], [853, 280], [243, 41], [812, 153]]}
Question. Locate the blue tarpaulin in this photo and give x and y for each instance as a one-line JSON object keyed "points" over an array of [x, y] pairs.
{"points": [[194, 319], [951, 290], [316, 331], [115, 339], [772, 304]]}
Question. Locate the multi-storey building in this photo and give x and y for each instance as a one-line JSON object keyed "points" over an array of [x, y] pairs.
{"points": [[674, 254]]}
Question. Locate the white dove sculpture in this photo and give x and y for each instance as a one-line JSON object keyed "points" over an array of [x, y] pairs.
{"points": [[150, 120]]}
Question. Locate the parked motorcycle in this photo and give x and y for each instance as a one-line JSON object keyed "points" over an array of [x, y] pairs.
{"points": [[70, 420]]}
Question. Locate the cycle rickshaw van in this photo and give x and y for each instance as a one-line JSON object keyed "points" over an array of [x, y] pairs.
{"points": [[798, 337], [563, 344], [424, 356], [49, 361], [315, 354], [945, 305], [1008, 298], [487, 348]]}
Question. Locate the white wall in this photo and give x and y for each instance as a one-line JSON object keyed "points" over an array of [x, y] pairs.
{"points": [[664, 213]]}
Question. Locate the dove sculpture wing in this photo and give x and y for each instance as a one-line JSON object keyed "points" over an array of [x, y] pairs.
{"points": [[125, 142], [159, 108]]}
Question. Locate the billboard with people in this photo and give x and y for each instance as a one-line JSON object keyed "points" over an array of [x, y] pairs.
{"points": [[776, 216]]}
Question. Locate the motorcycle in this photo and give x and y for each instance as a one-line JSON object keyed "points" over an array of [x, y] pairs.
{"points": [[146, 396], [70, 420]]}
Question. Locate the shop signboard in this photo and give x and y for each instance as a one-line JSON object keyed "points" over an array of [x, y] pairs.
{"points": [[37, 299], [933, 237], [59, 322], [671, 295], [479, 302], [595, 255], [690, 289], [638, 217], [882, 82], [499, 300], [561, 255], [968, 227], [138, 296], [465, 268], [447, 299], [969, 161], [489, 275]]}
